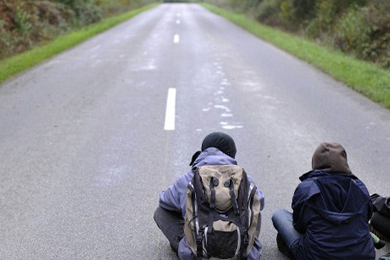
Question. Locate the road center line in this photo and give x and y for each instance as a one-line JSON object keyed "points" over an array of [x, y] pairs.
{"points": [[170, 110], [176, 38]]}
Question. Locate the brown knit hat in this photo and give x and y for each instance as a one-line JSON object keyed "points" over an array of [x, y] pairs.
{"points": [[331, 157]]}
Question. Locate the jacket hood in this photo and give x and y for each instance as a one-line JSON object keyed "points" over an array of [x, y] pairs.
{"points": [[331, 157], [352, 197], [223, 142], [213, 156]]}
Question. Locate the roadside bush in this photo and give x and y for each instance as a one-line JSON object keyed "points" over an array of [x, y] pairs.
{"points": [[322, 25], [357, 27], [365, 32], [341, 6], [268, 12], [377, 18], [304, 9], [287, 16], [252, 4], [22, 21], [26, 23], [110, 7], [6, 41], [352, 32], [86, 11]]}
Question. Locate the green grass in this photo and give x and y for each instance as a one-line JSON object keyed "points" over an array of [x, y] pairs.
{"points": [[18, 63], [366, 78]]}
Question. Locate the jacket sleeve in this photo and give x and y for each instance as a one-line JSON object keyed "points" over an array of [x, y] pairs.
{"points": [[259, 193], [299, 206], [174, 197], [256, 251], [261, 196]]}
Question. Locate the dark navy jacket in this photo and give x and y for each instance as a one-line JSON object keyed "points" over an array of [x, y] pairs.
{"points": [[332, 211]]}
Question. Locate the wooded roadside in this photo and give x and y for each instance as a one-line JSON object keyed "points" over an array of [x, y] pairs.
{"points": [[25, 24]]}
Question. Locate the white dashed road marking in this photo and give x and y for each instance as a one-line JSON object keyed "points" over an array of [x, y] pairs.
{"points": [[176, 38], [170, 110]]}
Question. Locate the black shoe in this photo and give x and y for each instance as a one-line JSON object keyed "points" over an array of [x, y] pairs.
{"points": [[175, 249], [378, 234], [283, 247], [380, 244]]}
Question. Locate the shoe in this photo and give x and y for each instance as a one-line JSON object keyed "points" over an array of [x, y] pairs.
{"points": [[380, 244], [283, 247], [378, 234], [175, 250]]}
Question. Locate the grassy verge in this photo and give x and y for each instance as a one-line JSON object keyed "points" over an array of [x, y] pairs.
{"points": [[366, 78], [18, 63]]}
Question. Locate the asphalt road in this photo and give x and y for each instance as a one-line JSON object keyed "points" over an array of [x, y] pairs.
{"points": [[84, 153]]}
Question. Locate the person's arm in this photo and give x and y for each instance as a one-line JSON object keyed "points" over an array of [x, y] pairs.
{"points": [[259, 193], [173, 198], [256, 251], [299, 206], [261, 197]]}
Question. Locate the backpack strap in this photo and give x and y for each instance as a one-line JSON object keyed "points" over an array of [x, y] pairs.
{"points": [[247, 221], [199, 248], [251, 194], [213, 183], [230, 184], [198, 232]]}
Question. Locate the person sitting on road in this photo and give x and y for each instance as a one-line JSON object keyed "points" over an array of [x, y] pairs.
{"points": [[217, 149], [331, 211]]}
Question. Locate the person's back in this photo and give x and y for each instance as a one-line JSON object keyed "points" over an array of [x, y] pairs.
{"points": [[334, 220]]}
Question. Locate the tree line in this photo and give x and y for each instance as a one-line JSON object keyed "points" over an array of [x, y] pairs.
{"points": [[358, 27], [27, 23]]}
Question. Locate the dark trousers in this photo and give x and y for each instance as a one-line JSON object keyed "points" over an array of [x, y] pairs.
{"points": [[171, 223]]}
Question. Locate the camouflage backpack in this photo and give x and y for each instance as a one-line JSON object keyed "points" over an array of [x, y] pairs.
{"points": [[222, 213]]}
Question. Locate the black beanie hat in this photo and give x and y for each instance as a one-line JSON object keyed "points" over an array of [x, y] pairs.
{"points": [[221, 141]]}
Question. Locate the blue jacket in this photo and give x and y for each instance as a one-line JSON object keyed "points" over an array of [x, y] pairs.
{"points": [[332, 211], [175, 196]]}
